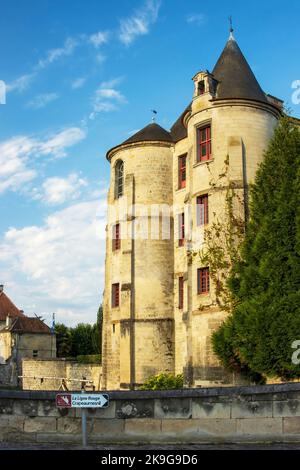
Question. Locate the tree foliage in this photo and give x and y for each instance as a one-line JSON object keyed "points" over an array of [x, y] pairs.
{"points": [[256, 339], [82, 340]]}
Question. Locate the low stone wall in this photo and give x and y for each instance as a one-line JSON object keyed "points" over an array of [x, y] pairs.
{"points": [[268, 413], [38, 372]]}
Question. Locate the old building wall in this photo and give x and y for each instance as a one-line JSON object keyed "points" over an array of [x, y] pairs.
{"points": [[48, 374], [240, 131], [43, 344]]}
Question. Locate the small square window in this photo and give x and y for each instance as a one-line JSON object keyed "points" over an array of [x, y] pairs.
{"points": [[35, 353]]}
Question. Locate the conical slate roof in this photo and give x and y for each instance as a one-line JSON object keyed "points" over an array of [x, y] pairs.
{"points": [[152, 132], [235, 77]]}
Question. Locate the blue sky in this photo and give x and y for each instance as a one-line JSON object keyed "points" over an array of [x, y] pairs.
{"points": [[81, 77]]}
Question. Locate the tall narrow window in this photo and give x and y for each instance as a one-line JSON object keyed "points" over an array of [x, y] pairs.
{"points": [[181, 229], [116, 242], [201, 87], [119, 179], [204, 144], [180, 292], [203, 281], [115, 295], [202, 209], [182, 171]]}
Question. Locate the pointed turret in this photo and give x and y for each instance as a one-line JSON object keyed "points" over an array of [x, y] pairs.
{"points": [[234, 75]]}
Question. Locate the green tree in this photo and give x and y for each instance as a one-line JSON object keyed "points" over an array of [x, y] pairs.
{"points": [[82, 340], [257, 337], [63, 340]]}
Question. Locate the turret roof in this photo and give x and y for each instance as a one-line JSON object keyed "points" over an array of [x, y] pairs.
{"points": [[152, 132], [234, 75]]}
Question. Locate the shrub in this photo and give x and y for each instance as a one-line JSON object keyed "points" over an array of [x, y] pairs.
{"points": [[163, 382]]}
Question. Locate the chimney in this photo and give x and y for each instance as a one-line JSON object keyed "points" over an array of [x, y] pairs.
{"points": [[8, 321], [1, 288]]}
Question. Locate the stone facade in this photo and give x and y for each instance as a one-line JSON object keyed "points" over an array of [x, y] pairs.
{"points": [[262, 414], [148, 332], [48, 374]]}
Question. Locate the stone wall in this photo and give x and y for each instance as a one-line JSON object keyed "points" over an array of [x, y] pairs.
{"points": [[268, 413], [42, 372]]}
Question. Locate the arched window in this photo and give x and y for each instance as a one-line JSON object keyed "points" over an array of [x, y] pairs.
{"points": [[119, 179]]}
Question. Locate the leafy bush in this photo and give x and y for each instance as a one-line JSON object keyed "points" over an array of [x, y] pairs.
{"points": [[163, 382]]}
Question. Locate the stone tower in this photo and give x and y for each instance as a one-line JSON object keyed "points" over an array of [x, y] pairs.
{"points": [[160, 305], [139, 328]]}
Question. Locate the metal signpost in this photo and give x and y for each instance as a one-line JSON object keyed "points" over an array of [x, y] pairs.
{"points": [[82, 400]]}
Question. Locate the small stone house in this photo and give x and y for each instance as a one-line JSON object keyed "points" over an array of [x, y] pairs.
{"points": [[21, 337]]}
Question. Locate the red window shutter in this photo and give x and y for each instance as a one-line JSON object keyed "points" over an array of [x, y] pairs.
{"points": [[181, 229], [181, 292], [203, 281], [182, 171], [115, 294], [116, 237], [204, 144], [202, 209]]}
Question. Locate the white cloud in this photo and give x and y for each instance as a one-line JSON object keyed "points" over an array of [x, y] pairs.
{"points": [[18, 154], [139, 23], [14, 170], [78, 83], [57, 144], [40, 101], [106, 98], [20, 84], [196, 18], [54, 54], [98, 39], [110, 94], [58, 265], [58, 190]]}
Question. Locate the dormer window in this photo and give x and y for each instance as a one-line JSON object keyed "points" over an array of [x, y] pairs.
{"points": [[119, 179], [201, 87]]}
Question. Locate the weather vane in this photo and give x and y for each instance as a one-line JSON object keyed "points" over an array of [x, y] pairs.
{"points": [[154, 114], [230, 24]]}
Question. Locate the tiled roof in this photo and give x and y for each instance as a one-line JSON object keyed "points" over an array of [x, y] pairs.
{"points": [[8, 308], [28, 325]]}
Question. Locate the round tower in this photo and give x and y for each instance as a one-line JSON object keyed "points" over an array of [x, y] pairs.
{"points": [[138, 329]]}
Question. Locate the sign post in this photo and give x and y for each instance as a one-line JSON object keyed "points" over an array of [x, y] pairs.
{"points": [[82, 400], [83, 425]]}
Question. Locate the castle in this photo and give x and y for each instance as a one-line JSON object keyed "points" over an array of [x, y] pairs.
{"points": [[160, 305]]}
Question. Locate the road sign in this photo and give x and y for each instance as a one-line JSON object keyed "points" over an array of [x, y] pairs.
{"points": [[64, 400], [82, 400]]}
